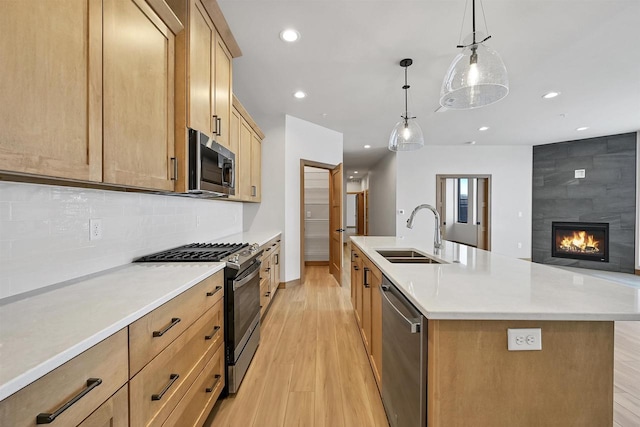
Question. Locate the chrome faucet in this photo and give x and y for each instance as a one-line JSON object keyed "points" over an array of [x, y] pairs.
{"points": [[437, 236]]}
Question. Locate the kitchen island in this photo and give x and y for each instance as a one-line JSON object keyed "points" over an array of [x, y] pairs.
{"points": [[471, 298]]}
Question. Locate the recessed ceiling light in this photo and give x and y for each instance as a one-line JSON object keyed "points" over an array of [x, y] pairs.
{"points": [[350, 176], [483, 128], [367, 146], [355, 171], [289, 35], [471, 142], [300, 94], [550, 95], [582, 128]]}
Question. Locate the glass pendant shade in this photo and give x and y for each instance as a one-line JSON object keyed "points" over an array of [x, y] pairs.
{"points": [[406, 135], [477, 77]]}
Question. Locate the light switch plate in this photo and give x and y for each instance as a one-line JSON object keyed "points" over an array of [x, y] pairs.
{"points": [[524, 339]]}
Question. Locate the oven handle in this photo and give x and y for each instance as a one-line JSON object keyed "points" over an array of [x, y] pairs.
{"points": [[244, 281]]}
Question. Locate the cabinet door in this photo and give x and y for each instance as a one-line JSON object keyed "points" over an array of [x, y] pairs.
{"points": [[275, 271], [256, 168], [51, 86], [112, 413], [359, 290], [201, 72], [376, 327], [222, 92], [234, 145], [354, 277], [245, 161], [138, 96], [366, 307]]}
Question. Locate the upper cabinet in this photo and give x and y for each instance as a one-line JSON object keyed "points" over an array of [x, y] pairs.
{"points": [[87, 90], [246, 138], [138, 96], [51, 86], [204, 54]]}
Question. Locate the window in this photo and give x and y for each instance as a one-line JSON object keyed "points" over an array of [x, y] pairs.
{"points": [[463, 200]]}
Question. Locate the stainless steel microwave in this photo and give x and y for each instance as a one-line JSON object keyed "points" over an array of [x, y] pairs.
{"points": [[211, 167]]}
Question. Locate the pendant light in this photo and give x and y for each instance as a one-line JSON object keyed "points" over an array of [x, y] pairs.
{"points": [[406, 135], [477, 76]]}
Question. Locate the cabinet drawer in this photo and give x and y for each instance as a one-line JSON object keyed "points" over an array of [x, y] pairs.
{"points": [[106, 361], [112, 413], [157, 389], [196, 404], [153, 332]]}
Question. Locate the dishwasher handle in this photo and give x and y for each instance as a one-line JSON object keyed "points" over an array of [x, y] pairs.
{"points": [[413, 323]]}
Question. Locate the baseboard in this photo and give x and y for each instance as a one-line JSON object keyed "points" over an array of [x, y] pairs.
{"points": [[316, 263], [526, 259], [290, 283], [637, 272]]}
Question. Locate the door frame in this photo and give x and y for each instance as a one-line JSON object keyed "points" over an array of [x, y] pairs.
{"points": [[319, 165], [441, 178]]}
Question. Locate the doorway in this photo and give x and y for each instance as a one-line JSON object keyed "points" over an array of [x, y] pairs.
{"points": [[464, 204], [355, 214], [327, 211]]}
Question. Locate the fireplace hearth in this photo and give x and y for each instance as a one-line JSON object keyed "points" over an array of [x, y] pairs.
{"points": [[580, 240]]}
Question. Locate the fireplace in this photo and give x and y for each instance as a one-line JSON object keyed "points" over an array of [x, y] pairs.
{"points": [[580, 240]]}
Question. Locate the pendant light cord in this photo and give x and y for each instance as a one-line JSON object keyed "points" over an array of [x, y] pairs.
{"points": [[473, 24], [406, 89]]}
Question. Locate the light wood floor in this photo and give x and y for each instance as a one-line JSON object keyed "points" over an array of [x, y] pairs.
{"points": [[311, 367], [626, 380]]}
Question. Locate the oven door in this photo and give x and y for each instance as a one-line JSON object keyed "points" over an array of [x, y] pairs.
{"points": [[246, 306]]}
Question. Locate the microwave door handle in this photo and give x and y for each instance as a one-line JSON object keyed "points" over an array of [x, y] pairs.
{"points": [[198, 165]]}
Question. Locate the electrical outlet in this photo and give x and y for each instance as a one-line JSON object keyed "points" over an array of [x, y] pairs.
{"points": [[308, 214], [519, 245], [95, 229], [524, 339]]}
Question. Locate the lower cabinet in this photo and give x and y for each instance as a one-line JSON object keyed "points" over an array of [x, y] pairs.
{"points": [[269, 273], [366, 282], [112, 413], [177, 384]]}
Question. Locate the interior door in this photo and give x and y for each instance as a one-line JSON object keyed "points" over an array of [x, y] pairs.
{"points": [[335, 223], [360, 214], [483, 205]]}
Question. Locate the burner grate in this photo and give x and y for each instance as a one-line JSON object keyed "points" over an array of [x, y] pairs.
{"points": [[195, 252]]}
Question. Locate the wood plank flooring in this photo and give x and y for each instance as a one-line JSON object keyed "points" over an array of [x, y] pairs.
{"points": [[311, 368]]}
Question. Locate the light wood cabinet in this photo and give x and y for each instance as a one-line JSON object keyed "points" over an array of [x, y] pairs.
{"points": [[248, 140], [256, 168], [202, 36], [269, 273], [51, 86], [112, 413], [275, 271], [138, 61], [222, 92], [366, 281], [94, 376]]}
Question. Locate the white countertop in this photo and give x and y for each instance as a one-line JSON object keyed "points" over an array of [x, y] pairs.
{"points": [[476, 284], [259, 237], [41, 332]]}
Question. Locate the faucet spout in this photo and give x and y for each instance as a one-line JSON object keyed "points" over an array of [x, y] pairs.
{"points": [[437, 236]]}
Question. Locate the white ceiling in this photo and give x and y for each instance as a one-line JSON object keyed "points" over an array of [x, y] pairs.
{"points": [[347, 62]]}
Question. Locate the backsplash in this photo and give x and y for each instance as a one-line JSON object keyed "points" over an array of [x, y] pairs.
{"points": [[44, 230]]}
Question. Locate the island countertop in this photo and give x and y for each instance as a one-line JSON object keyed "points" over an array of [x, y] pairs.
{"points": [[473, 284]]}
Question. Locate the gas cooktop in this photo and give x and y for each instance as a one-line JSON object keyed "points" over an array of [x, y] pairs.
{"points": [[196, 252]]}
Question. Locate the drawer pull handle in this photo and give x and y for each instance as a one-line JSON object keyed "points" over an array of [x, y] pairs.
{"points": [[172, 379], [173, 323], [267, 295], [48, 418], [366, 279], [210, 389], [355, 267], [213, 334], [215, 291]]}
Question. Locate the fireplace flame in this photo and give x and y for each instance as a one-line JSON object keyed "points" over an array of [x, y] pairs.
{"points": [[580, 241]]}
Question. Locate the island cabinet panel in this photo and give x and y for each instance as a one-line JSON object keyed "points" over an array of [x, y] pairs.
{"points": [[51, 86], [473, 377], [94, 375], [112, 413], [375, 341], [138, 82]]}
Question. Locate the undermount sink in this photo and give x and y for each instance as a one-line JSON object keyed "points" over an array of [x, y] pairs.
{"points": [[406, 256]]}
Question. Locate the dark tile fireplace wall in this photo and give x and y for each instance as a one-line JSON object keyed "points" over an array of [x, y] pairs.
{"points": [[606, 194]]}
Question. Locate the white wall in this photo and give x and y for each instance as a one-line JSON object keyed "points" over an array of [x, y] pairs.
{"points": [[350, 209], [510, 168], [382, 197], [44, 230]]}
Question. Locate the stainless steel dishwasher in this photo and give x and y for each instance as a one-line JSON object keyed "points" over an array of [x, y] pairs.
{"points": [[404, 359]]}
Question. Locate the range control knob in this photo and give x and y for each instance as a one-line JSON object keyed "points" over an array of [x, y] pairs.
{"points": [[235, 258], [255, 247]]}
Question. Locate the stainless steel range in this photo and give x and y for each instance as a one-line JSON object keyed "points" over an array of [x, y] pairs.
{"points": [[241, 298]]}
